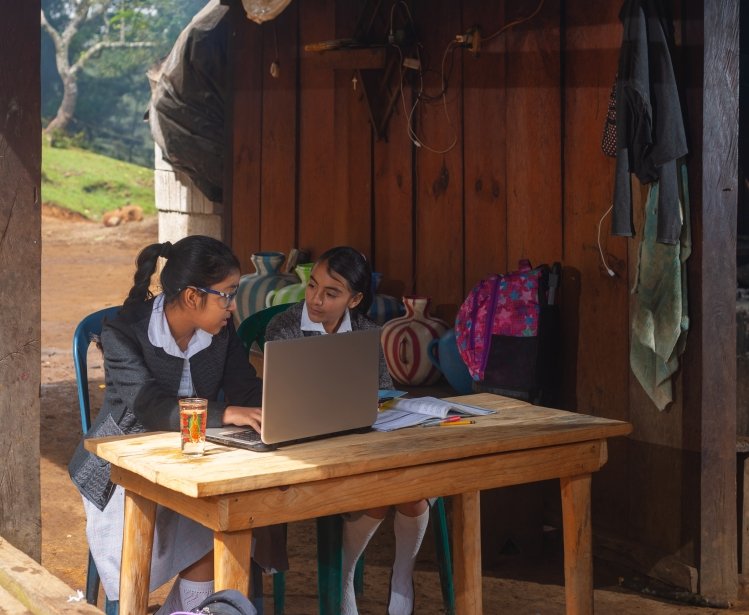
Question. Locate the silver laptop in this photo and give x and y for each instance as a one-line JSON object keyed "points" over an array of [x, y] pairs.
{"points": [[313, 387]]}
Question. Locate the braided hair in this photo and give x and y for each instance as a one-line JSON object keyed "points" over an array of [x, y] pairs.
{"points": [[195, 260]]}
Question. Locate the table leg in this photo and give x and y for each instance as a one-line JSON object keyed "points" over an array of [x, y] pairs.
{"points": [[467, 553], [578, 539], [137, 544], [231, 560]]}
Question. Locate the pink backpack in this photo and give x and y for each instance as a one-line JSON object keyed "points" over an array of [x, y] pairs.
{"points": [[498, 326]]}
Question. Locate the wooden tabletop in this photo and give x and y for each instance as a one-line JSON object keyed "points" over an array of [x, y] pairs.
{"points": [[222, 470]]}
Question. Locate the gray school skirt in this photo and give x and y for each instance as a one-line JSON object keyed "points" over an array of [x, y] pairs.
{"points": [[177, 542]]}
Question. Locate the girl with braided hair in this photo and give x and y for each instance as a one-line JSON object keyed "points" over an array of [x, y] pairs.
{"points": [[178, 343]]}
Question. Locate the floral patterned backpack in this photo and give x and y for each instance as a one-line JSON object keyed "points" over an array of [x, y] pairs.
{"points": [[503, 330]]}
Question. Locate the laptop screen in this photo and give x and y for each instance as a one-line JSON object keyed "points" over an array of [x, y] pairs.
{"points": [[319, 385]]}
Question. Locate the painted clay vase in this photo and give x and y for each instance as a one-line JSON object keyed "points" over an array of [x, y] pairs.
{"points": [[293, 292], [405, 342], [444, 355], [384, 307], [253, 287]]}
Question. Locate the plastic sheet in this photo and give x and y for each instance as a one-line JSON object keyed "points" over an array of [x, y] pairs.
{"points": [[188, 96]]}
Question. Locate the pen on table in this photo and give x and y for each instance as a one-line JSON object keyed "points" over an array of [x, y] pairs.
{"points": [[436, 420], [448, 423]]}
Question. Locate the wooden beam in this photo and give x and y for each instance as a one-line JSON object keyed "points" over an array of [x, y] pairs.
{"points": [[20, 274], [27, 587], [657, 564], [712, 76]]}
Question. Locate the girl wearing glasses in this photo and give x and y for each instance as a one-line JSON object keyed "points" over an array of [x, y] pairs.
{"points": [[336, 300], [160, 348]]}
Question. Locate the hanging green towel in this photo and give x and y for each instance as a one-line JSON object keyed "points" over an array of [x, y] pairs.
{"points": [[659, 312]]}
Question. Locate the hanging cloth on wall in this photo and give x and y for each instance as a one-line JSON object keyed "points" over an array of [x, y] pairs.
{"points": [[659, 310], [650, 133]]}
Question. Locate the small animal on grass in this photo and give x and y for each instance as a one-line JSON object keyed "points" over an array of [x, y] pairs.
{"points": [[126, 213]]}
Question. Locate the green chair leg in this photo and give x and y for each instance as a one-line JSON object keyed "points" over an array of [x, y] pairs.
{"points": [[279, 593], [444, 559], [329, 556], [329, 561]]}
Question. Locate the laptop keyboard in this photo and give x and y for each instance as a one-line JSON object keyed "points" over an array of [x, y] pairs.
{"points": [[248, 435]]}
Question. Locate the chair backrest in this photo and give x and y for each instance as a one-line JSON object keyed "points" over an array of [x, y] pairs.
{"points": [[252, 328], [87, 330]]}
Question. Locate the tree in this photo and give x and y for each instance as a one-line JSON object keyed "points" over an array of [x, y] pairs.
{"points": [[82, 29], [79, 12]]}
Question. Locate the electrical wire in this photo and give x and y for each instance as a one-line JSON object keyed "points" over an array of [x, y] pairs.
{"points": [[512, 24], [610, 271]]}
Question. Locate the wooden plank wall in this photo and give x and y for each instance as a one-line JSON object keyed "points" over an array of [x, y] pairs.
{"points": [[20, 276], [525, 178], [594, 303]]}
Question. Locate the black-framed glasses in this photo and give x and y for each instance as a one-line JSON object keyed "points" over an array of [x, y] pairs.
{"points": [[227, 297]]}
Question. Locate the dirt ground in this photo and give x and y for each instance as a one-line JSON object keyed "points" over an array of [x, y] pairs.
{"points": [[85, 267]]}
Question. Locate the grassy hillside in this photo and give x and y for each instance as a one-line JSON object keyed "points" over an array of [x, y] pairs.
{"points": [[92, 184]]}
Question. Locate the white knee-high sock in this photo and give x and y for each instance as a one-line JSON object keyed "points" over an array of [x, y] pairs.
{"points": [[409, 532], [192, 593], [356, 535]]}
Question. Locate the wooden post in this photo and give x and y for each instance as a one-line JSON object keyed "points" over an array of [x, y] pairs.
{"points": [[711, 40], [20, 274]]}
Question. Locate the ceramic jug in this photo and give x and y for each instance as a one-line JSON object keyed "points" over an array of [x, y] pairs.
{"points": [[293, 292], [253, 287], [444, 355], [405, 343], [384, 307]]}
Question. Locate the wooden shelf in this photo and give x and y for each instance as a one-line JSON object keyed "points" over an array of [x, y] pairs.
{"points": [[347, 58]]}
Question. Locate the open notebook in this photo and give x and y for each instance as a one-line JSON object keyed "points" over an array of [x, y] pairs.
{"points": [[312, 387]]}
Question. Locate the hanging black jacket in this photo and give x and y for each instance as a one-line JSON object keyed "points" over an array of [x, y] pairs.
{"points": [[650, 133]]}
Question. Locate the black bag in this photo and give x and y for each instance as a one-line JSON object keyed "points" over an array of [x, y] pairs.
{"points": [[508, 331], [226, 602]]}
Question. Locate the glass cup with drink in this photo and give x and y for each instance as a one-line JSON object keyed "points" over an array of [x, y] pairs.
{"points": [[193, 416]]}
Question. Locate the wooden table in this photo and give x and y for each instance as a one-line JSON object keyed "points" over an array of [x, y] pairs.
{"points": [[233, 491]]}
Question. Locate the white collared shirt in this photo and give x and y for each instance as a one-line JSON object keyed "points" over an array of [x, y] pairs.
{"points": [[308, 325], [160, 335]]}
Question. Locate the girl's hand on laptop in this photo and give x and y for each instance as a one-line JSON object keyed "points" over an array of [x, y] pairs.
{"points": [[241, 415]]}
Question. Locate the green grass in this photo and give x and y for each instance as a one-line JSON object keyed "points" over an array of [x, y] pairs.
{"points": [[92, 184]]}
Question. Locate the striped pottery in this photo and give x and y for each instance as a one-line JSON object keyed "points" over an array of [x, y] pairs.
{"points": [[293, 292], [384, 307], [253, 287], [405, 343]]}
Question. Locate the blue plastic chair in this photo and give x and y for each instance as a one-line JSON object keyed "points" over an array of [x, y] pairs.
{"points": [[330, 529], [87, 331]]}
